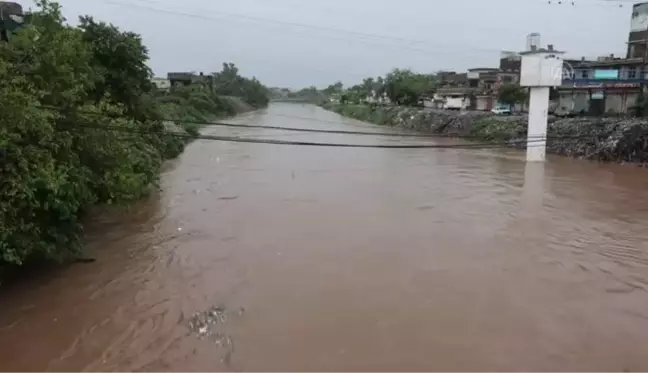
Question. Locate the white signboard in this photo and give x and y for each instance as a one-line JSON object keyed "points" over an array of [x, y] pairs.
{"points": [[541, 70]]}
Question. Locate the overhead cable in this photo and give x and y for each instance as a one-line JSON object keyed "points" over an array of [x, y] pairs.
{"points": [[309, 130]]}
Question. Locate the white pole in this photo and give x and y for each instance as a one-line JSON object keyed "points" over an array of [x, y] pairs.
{"points": [[537, 130], [533, 191]]}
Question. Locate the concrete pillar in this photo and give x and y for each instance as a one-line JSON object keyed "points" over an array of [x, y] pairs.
{"points": [[534, 186], [537, 132]]}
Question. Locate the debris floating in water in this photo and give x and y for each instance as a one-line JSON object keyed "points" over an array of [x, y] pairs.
{"points": [[201, 322], [210, 325]]}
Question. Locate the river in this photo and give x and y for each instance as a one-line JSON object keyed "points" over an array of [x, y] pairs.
{"points": [[350, 259]]}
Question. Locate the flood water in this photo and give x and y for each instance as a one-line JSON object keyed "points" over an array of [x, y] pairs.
{"points": [[339, 259]]}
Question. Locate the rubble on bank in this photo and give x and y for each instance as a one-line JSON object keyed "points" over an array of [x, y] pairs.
{"points": [[613, 139]]}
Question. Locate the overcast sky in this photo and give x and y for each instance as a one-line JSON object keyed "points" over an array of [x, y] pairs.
{"points": [[296, 43]]}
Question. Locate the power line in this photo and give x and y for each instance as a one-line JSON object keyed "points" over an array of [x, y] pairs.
{"points": [[308, 130], [540, 141], [419, 135], [492, 145], [366, 37]]}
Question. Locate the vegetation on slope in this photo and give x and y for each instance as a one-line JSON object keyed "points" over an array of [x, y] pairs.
{"points": [[82, 124]]}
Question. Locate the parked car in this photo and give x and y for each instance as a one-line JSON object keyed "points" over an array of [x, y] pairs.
{"points": [[501, 110]]}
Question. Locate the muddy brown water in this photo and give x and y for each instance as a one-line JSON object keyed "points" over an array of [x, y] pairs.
{"points": [[351, 259]]}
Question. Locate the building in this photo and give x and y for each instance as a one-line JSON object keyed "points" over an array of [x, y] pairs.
{"points": [[510, 66], [452, 98], [638, 36], [608, 85], [162, 84], [189, 78], [483, 81], [451, 79], [452, 92]]}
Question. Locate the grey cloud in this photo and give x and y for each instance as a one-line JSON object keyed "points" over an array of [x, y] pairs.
{"points": [[266, 40]]}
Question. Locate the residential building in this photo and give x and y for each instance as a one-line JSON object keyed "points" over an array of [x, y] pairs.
{"points": [[451, 79], [607, 85], [453, 98], [452, 92], [638, 31], [510, 66], [189, 78], [509, 69], [483, 81], [162, 84], [471, 90]]}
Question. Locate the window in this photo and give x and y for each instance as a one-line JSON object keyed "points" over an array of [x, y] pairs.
{"points": [[632, 73], [584, 74]]}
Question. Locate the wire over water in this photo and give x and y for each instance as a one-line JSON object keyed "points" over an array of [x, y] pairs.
{"points": [[488, 145]]}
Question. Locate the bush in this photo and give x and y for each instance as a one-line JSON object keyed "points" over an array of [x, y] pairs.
{"points": [[80, 125]]}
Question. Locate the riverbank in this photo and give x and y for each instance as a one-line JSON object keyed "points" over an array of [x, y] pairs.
{"points": [[94, 135], [622, 140], [182, 121]]}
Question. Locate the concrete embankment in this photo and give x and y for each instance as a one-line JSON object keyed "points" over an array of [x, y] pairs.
{"points": [[612, 139]]}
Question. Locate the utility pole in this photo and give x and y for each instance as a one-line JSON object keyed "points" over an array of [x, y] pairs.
{"points": [[541, 70]]}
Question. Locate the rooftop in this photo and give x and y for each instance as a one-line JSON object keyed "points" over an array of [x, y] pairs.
{"points": [[534, 49], [485, 69], [610, 62], [445, 91]]}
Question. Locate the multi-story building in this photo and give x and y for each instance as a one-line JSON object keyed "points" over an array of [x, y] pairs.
{"points": [[510, 66], [452, 91], [609, 84], [483, 80], [638, 36], [472, 90]]}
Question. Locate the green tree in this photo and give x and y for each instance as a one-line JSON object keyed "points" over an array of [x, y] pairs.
{"points": [[405, 87], [309, 94], [119, 62], [69, 135], [511, 94], [368, 86], [332, 89], [228, 82]]}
